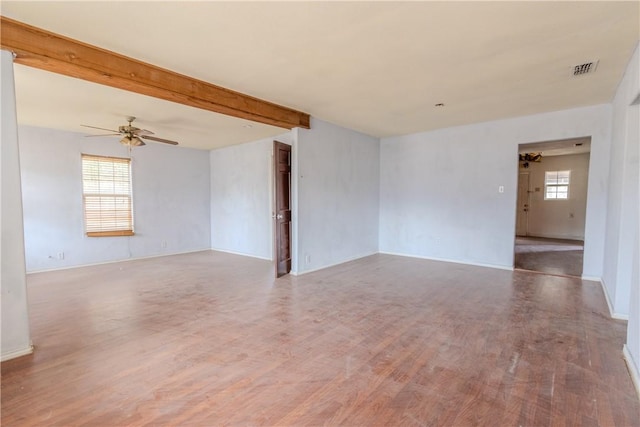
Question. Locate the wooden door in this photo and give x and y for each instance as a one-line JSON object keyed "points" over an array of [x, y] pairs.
{"points": [[522, 215], [282, 214]]}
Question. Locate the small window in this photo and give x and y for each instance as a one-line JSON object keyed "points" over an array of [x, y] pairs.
{"points": [[556, 185], [106, 193]]}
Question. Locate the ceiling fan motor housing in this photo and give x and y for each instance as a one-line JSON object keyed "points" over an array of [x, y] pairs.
{"points": [[127, 129]]}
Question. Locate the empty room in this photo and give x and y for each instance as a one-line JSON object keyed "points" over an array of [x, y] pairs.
{"points": [[320, 213]]}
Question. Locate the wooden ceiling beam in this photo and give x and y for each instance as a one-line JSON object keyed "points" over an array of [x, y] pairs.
{"points": [[48, 51]]}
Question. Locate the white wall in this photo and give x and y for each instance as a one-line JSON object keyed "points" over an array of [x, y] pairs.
{"points": [[632, 347], [241, 198], [439, 190], [337, 176], [170, 200], [622, 220], [621, 256], [561, 219], [16, 339]]}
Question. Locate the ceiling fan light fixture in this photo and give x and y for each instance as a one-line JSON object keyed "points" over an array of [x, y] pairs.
{"points": [[132, 141]]}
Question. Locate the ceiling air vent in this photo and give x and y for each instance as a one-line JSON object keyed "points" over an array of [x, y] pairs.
{"points": [[586, 68]]}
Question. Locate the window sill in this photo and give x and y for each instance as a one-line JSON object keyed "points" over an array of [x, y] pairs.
{"points": [[110, 233]]}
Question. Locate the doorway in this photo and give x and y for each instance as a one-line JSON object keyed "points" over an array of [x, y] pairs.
{"points": [[282, 209], [551, 206], [522, 216]]}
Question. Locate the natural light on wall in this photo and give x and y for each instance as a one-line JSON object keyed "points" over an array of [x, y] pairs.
{"points": [[556, 185], [106, 192]]}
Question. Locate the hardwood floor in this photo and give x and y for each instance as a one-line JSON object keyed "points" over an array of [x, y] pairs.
{"points": [[213, 339], [551, 256]]}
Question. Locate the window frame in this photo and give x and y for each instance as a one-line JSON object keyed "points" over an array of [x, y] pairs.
{"points": [[99, 229], [557, 184]]}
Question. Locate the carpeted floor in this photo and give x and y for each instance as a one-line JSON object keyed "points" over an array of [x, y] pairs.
{"points": [[553, 256]]}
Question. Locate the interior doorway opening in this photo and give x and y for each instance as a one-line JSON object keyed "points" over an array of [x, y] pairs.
{"points": [[551, 206]]}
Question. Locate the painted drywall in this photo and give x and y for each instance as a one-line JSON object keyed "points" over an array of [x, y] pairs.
{"points": [[439, 191], [337, 174], [16, 339], [170, 200], [241, 198], [632, 347], [630, 244], [294, 199], [620, 276], [562, 219]]}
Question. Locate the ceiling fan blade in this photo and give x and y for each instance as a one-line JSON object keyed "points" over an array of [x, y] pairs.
{"points": [[105, 134], [93, 127], [153, 138], [141, 132]]}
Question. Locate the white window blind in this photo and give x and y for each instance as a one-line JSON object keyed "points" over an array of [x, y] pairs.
{"points": [[556, 185], [106, 192]]}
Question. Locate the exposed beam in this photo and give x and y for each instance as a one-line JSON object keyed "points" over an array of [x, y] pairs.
{"points": [[48, 51]]}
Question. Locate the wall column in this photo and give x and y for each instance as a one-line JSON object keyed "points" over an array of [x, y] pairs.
{"points": [[16, 340]]}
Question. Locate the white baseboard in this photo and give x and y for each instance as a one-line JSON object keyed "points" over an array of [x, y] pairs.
{"points": [[240, 253], [475, 264], [606, 296], [117, 260], [300, 273], [16, 353], [612, 313], [633, 368], [557, 236]]}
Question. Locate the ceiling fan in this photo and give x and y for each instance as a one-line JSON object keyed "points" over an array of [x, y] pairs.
{"points": [[132, 136]]}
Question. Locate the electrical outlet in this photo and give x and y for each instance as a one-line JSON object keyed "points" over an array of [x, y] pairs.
{"points": [[307, 259], [501, 189], [60, 255], [163, 244]]}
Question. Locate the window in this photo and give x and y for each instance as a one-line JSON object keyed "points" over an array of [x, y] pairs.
{"points": [[556, 185], [106, 193]]}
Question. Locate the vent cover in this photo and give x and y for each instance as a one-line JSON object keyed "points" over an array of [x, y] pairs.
{"points": [[586, 68]]}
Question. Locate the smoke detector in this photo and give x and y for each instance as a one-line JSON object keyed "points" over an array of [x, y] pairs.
{"points": [[586, 68]]}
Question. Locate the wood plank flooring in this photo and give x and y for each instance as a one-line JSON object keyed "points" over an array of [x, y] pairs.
{"points": [[551, 256], [213, 339]]}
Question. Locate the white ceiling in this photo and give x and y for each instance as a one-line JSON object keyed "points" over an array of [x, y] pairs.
{"points": [[558, 148], [376, 67]]}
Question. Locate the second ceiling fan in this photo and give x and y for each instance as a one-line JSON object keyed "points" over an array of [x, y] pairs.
{"points": [[132, 136]]}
